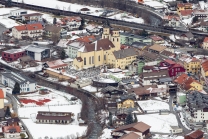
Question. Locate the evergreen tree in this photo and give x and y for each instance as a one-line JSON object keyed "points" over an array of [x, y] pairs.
{"points": [[63, 54], [16, 89], [144, 33], [81, 27], [54, 20], [8, 3], [110, 119], [129, 119], [7, 112], [135, 118]]}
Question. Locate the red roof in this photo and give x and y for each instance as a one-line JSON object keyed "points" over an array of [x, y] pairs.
{"points": [[71, 18], [56, 64], [181, 78], [205, 66], [169, 61], [170, 17], [1, 94], [184, 4], [87, 39], [176, 66], [186, 12], [37, 26], [206, 39], [8, 128], [156, 38], [195, 134]]}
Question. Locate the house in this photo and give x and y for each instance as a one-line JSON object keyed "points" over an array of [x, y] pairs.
{"points": [[150, 56], [128, 39], [56, 64], [73, 47], [54, 32], [93, 29], [175, 130], [27, 61], [38, 53], [192, 65], [87, 39], [13, 121], [11, 131], [204, 26], [125, 101], [205, 43], [122, 58], [97, 53], [26, 84], [138, 45], [139, 128], [2, 96], [12, 54], [200, 14], [197, 134], [72, 22], [185, 14], [111, 91], [130, 135], [27, 31], [48, 117], [17, 13], [184, 6], [187, 36], [204, 69], [37, 17], [173, 20], [156, 48], [157, 40]]}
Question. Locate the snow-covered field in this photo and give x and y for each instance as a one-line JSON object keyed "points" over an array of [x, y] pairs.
{"points": [[159, 123], [106, 134], [153, 105], [90, 88], [51, 130], [127, 18]]}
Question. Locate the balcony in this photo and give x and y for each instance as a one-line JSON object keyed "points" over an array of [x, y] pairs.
{"points": [[24, 32], [35, 32]]}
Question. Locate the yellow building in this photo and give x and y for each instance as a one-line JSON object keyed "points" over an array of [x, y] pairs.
{"points": [[2, 98], [195, 85], [184, 6], [122, 58], [97, 54], [192, 65], [128, 103]]}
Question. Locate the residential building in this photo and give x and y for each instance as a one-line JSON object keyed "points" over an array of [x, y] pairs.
{"points": [[139, 45], [110, 91], [48, 117], [12, 131], [197, 134], [26, 84], [140, 128], [173, 21], [184, 6], [94, 29], [54, 32], [200, 14], [37, 17], [130, 135], [28, 30], [185, 14], [192, 65], [73, 47], [2, 96], [205, 43], [122, 58], [97, 53], [203, 26], [87, 39], [125, 102], [156, 48], [157, 40], [56, 64], [128, 39], [175, 129], [12, 54], [17, 13], [27, 61], [204, 69], [72, 22], [38, 52], [187, 36]]}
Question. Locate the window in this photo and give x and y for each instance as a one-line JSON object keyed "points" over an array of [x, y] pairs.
{"points": [[90, 60], [113, 39], [85, 61], [117, 39], [98, 58], [104, 57]]}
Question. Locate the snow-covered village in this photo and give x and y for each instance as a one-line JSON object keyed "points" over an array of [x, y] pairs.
{"points": [[103, 69]]}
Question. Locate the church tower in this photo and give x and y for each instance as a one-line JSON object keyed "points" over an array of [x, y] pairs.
{"points": [[115, 39], [106, 32]]}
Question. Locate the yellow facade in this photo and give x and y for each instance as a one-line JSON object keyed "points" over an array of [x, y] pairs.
{"points": [[1, 103], [196, 86], [193, 66], [126, 104], [98, 57], [183, 6]]}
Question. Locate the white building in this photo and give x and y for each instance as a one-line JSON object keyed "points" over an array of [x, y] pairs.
{"points": [[72, 22], [32, 17], [17, 12], [26, 84], [93, 29], [201, 115], [28, 30]]}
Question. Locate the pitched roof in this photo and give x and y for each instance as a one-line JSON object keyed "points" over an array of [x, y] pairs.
{"points": [[170, 17], [167, 53], [140, 126], [142, 90], [36, 26], [56, 64], [156, 38], [205, 66], [71, 18], [184, 4], [87, 39], [25, 59], [195, 134], [205, 39], [1, 94], [79, 59], [169, 61], [32, 14], [103, 44], [181, 78], [7, 129], [155, 74], [52, 28], [120, 54], [131, 135], [157, 47], [186, 12]]}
